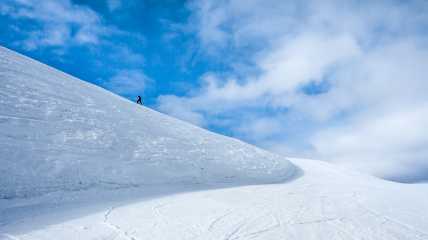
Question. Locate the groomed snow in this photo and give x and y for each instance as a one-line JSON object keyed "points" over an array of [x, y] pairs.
{"points": [[78, 162]]}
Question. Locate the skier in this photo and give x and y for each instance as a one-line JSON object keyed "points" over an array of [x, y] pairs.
{"points": [[139, 100]]}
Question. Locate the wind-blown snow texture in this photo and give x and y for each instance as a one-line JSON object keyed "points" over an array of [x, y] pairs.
{"points": [[60, 133]]}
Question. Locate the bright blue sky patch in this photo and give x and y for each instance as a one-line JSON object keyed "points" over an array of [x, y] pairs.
{"points": [[314, 88]]}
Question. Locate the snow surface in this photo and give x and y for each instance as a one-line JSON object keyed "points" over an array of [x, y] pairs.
{"points": [[77, 162], [58, 132]]}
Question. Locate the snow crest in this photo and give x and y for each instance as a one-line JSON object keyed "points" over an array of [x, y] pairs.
{"points": [[60, 133]]}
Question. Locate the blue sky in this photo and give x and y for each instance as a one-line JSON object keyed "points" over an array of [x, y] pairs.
{"points": [[132, 36], [332, 80]]}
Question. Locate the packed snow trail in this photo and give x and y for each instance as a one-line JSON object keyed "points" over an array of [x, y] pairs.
{"points": [[60, 133], [78, 162]]}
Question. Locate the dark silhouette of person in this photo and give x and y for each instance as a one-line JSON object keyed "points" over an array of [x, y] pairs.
{"points": [[139, 100]]}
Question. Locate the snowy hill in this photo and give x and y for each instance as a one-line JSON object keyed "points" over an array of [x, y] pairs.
{"points": [[78, 162], [58, 132]]}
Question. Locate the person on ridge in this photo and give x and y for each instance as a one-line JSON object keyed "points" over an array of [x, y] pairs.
{"points": [[139, 100]]}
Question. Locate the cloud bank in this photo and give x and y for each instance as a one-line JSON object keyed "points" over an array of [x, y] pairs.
{"points": [[57, 23], [344, 82]]}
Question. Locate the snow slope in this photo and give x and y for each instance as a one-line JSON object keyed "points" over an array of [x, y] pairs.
{"points": [[78, 162], [58, 132]]}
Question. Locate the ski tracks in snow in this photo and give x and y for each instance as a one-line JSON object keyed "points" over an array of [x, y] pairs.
{"points": [[116, 228], [337, 215], [276, 212], [388, 223], [305, 211]]}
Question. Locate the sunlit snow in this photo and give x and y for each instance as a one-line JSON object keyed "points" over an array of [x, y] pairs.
{"points": [[78, 162]]}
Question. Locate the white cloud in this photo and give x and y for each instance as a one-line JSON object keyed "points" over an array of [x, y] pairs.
{"points": [[52, 35], [178, 108], [372, 54], [260, 128], [392, 143], [128, 82], [124, 54], [60, 22], [210, 18]]}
